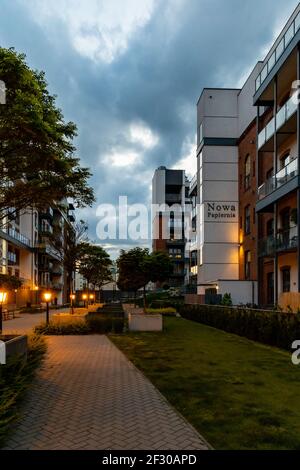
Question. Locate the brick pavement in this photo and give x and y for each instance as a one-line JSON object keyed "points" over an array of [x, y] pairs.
{"points": [[87, 395]]}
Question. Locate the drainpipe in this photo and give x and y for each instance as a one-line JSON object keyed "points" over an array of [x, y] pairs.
{"points": [[275, 205], [298, 169]]}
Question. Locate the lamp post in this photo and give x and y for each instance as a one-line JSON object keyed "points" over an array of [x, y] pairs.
{"points": [[84, 298], [72, 298], [92, 298], [3, 296], [47, 298]]}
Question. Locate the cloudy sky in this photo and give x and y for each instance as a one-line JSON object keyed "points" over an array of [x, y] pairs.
{"points": [[129, 73]]}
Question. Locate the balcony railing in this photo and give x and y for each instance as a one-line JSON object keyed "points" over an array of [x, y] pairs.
{"points": [[281, 178], [283, 241], [287, 110], [18, 236], [281, 46]]}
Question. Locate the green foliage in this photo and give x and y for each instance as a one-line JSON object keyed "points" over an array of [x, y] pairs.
{"points": [[37, 162], [94, 264], [226, 299], [15, 378], [137, 267], [237, 393], [169, 311], [94, 323], [71, 327], [10, 282], [266, 326]]}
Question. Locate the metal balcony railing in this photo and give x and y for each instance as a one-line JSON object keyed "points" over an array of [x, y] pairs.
{"points": [[277, 53], [287, 110], [18, 236], [281, 178], [284, 240]]}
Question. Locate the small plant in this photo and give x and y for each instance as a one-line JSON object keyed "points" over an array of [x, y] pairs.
{"points": [[226, 299]]}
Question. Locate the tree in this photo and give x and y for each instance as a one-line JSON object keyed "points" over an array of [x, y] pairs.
{"points": [[69, 250], [94, 264], [9, 282], [137, 267], [37, 162]]}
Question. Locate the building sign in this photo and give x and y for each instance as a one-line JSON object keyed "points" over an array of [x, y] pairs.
{"points": [[221, 211]]}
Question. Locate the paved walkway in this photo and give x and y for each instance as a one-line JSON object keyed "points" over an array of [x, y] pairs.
{"points": [[24, 322], [89, 396]]}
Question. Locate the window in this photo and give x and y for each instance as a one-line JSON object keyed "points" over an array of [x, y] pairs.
{"points": [[247, 264], [247, 220], [286, 279], [247, 172], [270, 288]]}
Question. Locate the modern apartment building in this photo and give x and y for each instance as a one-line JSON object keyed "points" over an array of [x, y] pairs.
{"points": [[278, 145], [28, 252], [17, 238], [226, 195], [171, 204]]}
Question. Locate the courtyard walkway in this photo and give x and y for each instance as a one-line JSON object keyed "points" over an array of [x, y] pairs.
{"points": [[87, 395]]}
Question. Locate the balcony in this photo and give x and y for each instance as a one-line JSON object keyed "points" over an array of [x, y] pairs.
{"points": [[281, 178], [287, 240], [277, 53], [18, 236], [174, 198], [282, 117]]}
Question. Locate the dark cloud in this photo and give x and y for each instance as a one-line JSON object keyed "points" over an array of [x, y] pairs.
{"points": [[185, 46]]}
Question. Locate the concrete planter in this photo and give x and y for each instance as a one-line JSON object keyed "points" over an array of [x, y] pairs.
{"points": [[144, 322], [15, 345]]}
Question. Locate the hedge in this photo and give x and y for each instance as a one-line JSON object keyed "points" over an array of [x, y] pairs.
{"points": [[266, 326], [94, 323]]}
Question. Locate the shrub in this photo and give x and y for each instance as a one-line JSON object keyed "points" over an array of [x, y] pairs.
{"points": [[93, 323], [99, 323], [166, 303], [266, 326], [168, 311], [226, 299], [70, 327], [15, 378]]}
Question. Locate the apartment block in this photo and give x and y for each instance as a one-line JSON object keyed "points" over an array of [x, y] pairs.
{"points": [[171, 203], [29, 253], [278, 140]]}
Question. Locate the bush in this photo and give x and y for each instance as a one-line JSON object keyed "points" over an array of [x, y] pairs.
{"points": [[98, 323], [15, 378], [167, 303], [70, 327], [266, 326], [93, 323], [168, 311]]}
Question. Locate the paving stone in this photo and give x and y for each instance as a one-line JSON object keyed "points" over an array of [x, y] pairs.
{"points": [[88, 395]]}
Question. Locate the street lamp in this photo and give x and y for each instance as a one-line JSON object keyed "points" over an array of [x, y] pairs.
{"points": [[84, 298], [3, 296], [72, 298], [92, 297], [47, 298]]}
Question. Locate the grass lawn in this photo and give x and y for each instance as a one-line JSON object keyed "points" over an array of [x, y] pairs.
{"points": [[238, 394]]}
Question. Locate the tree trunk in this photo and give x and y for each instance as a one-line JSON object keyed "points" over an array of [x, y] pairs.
{"points": [[135, 299]]}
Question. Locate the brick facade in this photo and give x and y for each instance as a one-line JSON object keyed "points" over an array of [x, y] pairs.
{"points": [[247, 199]]}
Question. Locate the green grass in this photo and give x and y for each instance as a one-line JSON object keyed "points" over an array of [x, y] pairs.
{"points": [[239, 394], [15, 378]]}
